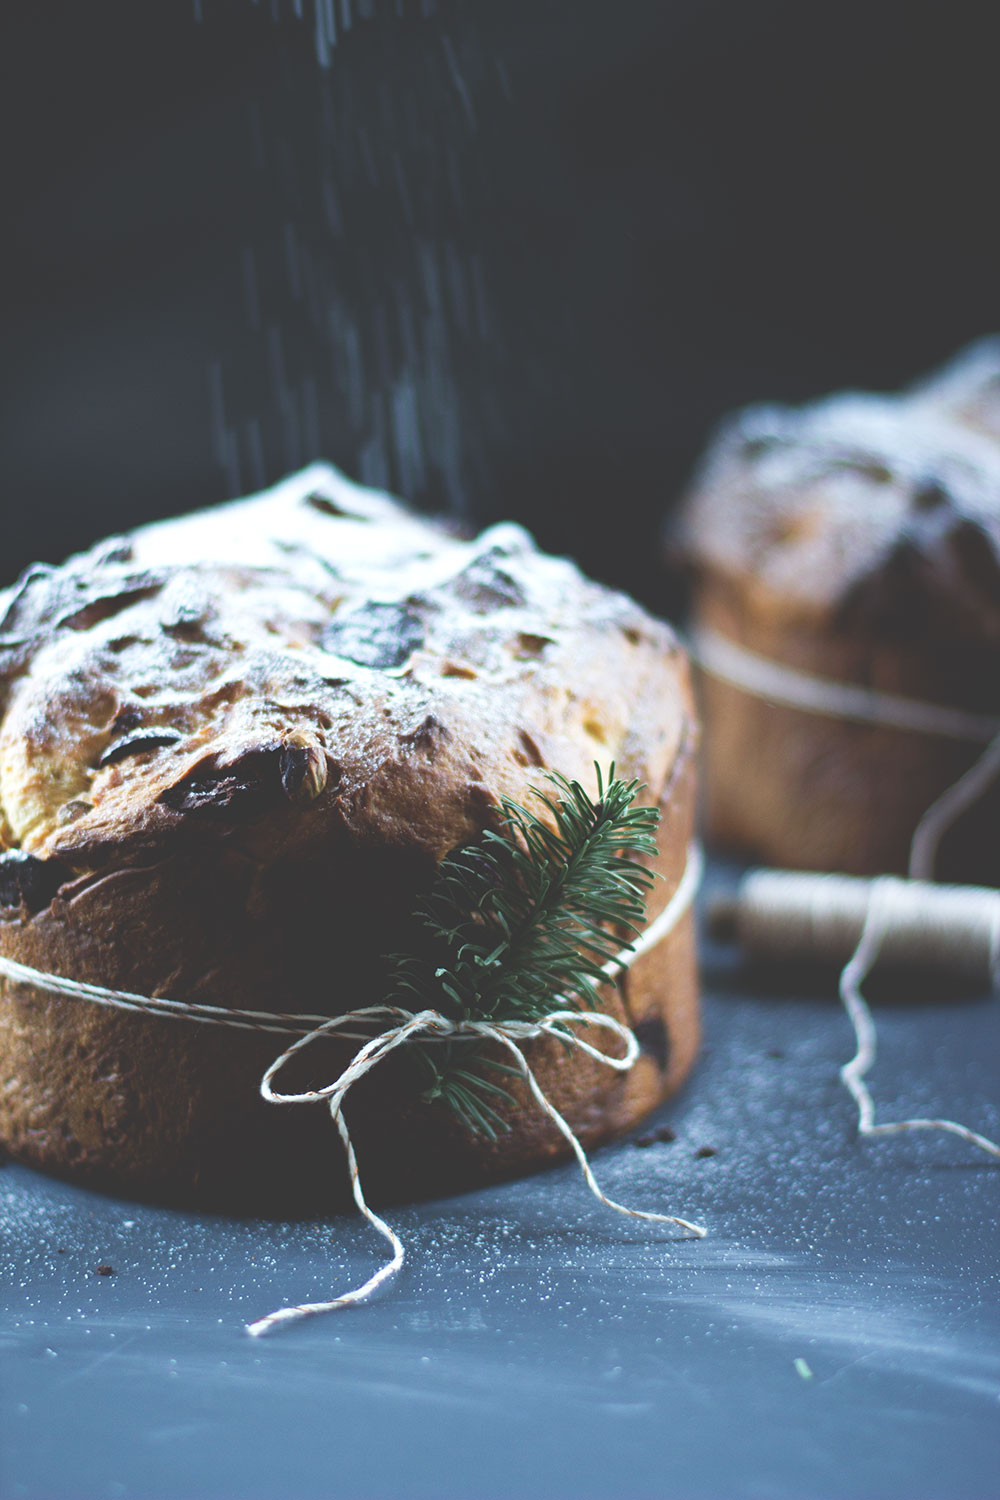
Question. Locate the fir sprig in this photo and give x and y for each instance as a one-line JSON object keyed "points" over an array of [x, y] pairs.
{"points": [[520, 922]]}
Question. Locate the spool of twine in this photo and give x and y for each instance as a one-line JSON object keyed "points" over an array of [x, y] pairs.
{"points": [[778, 915]]}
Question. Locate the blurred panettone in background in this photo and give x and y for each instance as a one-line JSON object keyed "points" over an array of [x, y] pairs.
{"points": [[845, 559]]}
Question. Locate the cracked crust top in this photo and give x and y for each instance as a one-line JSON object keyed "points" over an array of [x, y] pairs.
{"points": [[315, 666]]}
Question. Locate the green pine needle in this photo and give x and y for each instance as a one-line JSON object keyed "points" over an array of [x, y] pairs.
{"points": [[518, 925]]}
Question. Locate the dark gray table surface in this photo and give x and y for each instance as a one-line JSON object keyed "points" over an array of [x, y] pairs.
{"points": [[536, 1345]]}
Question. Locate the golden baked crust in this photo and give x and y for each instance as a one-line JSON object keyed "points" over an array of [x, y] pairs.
{"points": [[856, 540], [233, 748], [861, 515]]}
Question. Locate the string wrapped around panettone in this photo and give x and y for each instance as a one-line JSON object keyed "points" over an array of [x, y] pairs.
{"points": [[523, 929]]}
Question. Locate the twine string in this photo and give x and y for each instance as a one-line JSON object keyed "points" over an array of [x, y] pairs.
{"points": [[500, 1035], [431, 1025], [295, 1023], [771, 680], [280, 1023], [947, 929], [948, 808], [762, 677], [885, 894], [400, 1027], [334, 1094]]}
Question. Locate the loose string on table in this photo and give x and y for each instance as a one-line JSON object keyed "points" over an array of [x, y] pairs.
{"points": [[405, 1027], [886, 893], [776, 682]]}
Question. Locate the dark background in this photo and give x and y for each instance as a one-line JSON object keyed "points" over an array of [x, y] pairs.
{"points": [[509, 257]]}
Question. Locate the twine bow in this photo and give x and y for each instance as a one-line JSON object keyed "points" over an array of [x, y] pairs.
{"points": [[431, 1025], [406, 1026]]}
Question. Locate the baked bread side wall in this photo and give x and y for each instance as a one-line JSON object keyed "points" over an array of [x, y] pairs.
{"points": [[802, 790], [170, 1108]]}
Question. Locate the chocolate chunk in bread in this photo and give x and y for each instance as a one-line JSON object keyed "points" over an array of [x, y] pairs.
{"points": [[28, 883], [381, 636]]}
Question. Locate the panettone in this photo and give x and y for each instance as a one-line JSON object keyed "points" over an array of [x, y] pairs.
{"points": [[234, 748], [851, 545]]}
